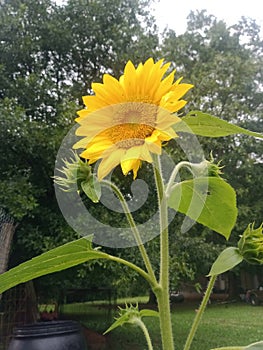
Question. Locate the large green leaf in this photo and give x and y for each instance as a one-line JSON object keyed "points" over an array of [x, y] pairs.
{"points": [[208, 200], [229, 258], [61, 258], [204, 124]]}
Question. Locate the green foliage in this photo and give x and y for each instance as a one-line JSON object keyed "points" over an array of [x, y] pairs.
{"points": [[210, 201], [225, 65], [57, 259], [230, 320], [228, 259], [204, 124], [49, 55]]}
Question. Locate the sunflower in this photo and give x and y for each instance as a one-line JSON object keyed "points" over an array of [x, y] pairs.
{"points": [[127, 120]]}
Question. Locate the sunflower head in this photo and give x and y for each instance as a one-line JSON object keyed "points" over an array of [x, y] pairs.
{"points": [[128, 119]]}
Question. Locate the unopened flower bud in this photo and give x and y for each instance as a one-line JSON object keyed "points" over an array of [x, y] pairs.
{"points": [[250, 245], [207, 168], [75, 172]]}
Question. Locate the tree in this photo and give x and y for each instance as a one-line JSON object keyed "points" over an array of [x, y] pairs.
{"points": [[225, 66], [49, 55]]}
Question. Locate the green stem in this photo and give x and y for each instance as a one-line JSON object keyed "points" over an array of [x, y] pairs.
{"points": [[200, 312], [132, 266], [162, 293], [139, 322], [135, 231], [174, 174]]}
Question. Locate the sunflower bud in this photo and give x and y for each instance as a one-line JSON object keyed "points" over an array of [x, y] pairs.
{"points": [[75, 172], [250, 245], [207, 168]]}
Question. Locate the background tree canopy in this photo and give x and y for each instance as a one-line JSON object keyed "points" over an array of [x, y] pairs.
{"points": [[50, 54]]}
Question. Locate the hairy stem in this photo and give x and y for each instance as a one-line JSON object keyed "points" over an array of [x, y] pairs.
{"points": [[174, 174], [136, 268], [135, 231], [162, 293], [200, 313], [140, 323]]}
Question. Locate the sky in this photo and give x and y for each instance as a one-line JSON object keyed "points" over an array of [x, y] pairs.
{"points": [[173, 13]]}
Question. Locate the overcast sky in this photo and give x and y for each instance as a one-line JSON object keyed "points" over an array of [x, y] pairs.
{"points": [[173, 12]]}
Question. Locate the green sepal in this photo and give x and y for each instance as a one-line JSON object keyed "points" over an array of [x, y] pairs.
{"points": [[227, 259], [204, 124], [211, 201], [118, 323], [254, 346], [130, 315], [148, 313], [92, 189], [57, 259]]}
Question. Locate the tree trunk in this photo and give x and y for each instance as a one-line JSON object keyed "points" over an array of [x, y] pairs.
{"points": [[6, 236], [7, 230]]}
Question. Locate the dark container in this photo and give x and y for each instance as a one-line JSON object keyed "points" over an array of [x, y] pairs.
{"points": [[53, 335]]}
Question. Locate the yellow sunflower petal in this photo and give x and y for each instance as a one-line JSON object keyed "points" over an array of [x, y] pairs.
{"points": [[93, 102], [95, 150], [179, 91], [155, 147], [130, 164], [115, 87], [129, 82], [81, 143], [110, 162], [83, 113], [171, 105], [104, 94], [138, 152], [135, 168], [164, 86]]}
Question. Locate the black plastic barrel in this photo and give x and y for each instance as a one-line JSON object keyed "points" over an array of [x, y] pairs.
{"points": [[53, 335]]}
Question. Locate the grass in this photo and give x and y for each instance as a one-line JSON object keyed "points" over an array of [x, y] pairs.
{"points": [[222, 325]]}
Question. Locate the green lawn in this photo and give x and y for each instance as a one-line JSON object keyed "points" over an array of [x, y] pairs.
{"points": [[228, 324]]}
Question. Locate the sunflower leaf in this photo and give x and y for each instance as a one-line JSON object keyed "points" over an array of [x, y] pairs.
{"points": [[92, 189], [229, 258], [209, 200], [204, 124], [57, 259]]}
